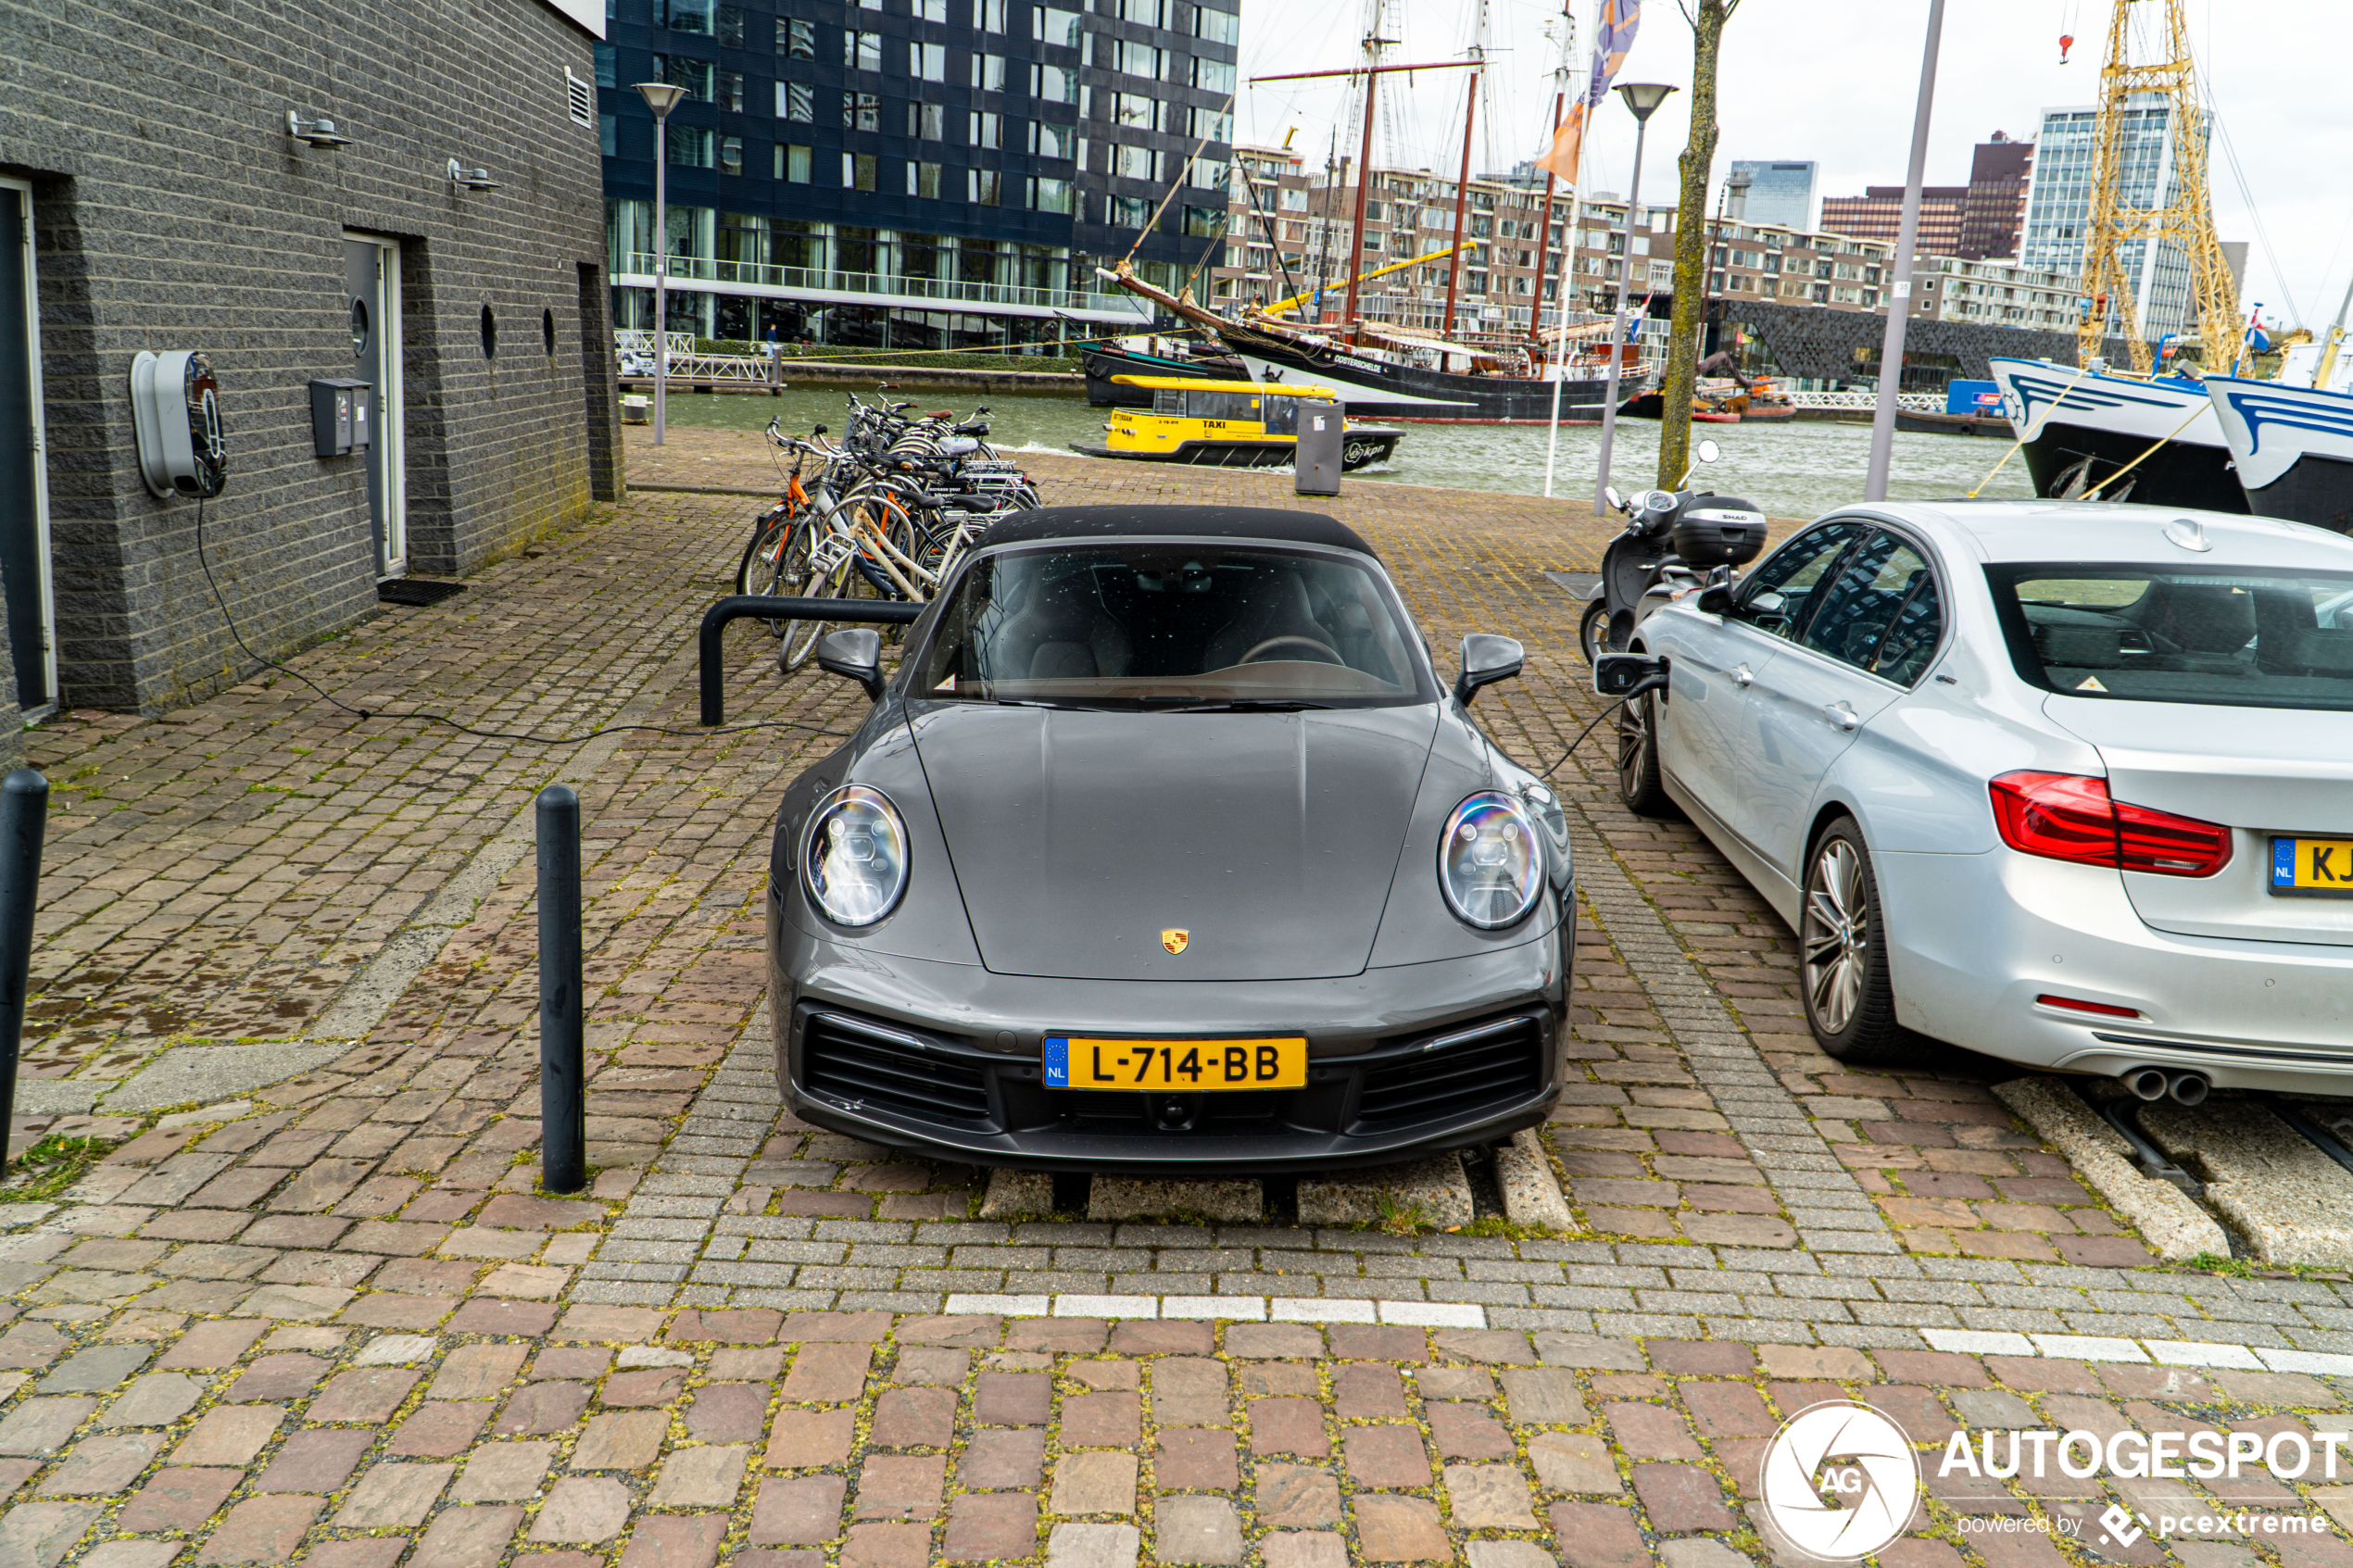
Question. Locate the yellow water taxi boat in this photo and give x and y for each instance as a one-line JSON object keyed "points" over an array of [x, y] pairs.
{"points": [[1234, 424]]}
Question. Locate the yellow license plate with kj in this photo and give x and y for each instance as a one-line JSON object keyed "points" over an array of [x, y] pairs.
{"points": [[1080, 1061], [2313, 868]]}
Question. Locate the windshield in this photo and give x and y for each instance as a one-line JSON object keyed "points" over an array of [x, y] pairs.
{"points": [[1194, 623], [2235, 638]]}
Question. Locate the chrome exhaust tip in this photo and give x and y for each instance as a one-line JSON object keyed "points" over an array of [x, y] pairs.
{"points": [[2146, 1083], [2189, 1088]]}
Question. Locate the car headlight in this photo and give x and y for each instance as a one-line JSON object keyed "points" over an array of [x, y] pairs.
{"points": [[854, 858], [1490, 864]]}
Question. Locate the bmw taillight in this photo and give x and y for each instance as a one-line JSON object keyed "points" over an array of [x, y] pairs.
{"points": [[2067, 817]]}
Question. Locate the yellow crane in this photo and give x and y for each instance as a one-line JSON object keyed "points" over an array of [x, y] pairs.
{"points": [[2186, 222], [1295, 301]]}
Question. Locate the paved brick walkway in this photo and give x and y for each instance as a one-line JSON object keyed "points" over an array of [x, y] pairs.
{"points": [[330, 1319]]}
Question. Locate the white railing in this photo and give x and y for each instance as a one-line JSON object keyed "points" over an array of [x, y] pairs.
{"points": [[1919, 402], [639, 340], [685, 364], [811, 280]]}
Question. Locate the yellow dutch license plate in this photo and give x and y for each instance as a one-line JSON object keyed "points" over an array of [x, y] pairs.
{"points": [[2313, 868], [1080, 1061]]}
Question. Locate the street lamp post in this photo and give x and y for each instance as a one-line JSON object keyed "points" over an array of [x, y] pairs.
{"points": [[1899, 296], [1643, 98], [661, 97]]}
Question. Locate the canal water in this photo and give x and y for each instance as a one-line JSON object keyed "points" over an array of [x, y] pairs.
{"points": [[1800, 469]]}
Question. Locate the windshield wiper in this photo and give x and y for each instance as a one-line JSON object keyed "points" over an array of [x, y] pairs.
{"points": [[1247, 705]]}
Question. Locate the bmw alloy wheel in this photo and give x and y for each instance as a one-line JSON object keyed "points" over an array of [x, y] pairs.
{"points": [[1835, 939]]}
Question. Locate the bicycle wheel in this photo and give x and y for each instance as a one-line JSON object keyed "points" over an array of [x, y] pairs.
{"points": [[756, 568], [800, 636]]}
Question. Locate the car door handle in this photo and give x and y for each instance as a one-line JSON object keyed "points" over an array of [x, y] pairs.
{"points": [[1841, 715], [1742, 675]]}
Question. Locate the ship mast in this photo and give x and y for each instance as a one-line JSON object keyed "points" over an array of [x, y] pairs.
{"points": [[1545, 223], [1462, 184], [1373, 43], [1371, 73]]}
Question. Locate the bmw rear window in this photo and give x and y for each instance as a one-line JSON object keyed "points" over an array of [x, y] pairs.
{"points": [[2223, 637]]}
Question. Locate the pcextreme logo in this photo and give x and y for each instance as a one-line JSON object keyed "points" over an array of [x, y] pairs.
{"points": [[1841, 1480]]}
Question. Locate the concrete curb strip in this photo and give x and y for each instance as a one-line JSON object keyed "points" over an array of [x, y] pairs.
{"points": [[2174, 1227], [1434, 1189], [2293, 1203], [1532, 1193]]}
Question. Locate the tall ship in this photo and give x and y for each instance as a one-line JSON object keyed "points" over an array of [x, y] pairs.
{"points": [[1392, 374], [1395, 372]]}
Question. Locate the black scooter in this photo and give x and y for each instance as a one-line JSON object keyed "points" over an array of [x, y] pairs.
{"points": [[1674, 541]]}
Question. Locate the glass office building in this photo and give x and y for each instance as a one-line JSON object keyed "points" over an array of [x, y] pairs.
{"points": [[912, 173], [2058, 209], [1780, 193]]}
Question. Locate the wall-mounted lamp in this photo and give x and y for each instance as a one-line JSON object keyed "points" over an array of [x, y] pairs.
{"points": [[319, 132], [470, 179]]}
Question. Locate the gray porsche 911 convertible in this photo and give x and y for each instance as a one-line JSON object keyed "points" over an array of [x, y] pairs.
{"points": [[1166, 851]]}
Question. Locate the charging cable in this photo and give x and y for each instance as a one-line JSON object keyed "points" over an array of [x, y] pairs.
{"points": [[231, 623], [1581, 736]]}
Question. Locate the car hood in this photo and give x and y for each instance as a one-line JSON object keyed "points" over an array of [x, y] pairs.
{"points": [[1079, 837]]}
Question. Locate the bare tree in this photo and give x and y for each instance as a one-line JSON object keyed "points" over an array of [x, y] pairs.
{"points": [[1691, 240]]}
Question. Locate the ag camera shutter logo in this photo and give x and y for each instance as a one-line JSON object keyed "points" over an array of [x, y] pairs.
{"points": [[1840, 1481]]}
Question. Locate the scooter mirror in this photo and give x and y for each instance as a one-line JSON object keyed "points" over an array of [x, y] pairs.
{"points": [[1708, 452], [1610, 494]]}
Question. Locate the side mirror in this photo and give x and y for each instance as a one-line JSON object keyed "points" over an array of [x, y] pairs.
{"points": [[1610, 494], [1629, 675], [857, 653], [817, 429], [1717, 599], [1486, 660], [1708, 452]]}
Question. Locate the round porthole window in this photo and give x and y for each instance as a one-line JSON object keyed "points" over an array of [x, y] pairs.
{"points": [[547, 329], [490, 334], [359, 329]]}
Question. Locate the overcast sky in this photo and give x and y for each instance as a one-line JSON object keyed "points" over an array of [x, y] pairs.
{"points": [[1833, 80]]}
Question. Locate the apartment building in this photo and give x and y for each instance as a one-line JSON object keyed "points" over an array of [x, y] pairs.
{"points": [[912, 173], [1509, 281], [1801, 303]]}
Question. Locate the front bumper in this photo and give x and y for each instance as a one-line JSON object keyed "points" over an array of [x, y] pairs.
{"points": [[946, 1059], [1975, 939]]}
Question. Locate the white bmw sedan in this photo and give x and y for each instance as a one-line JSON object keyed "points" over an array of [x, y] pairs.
{"points": [[2067, 783]]}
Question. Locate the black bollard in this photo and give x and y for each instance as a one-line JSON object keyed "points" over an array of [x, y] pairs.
{"points": [[563, 1101], [24, 815]]}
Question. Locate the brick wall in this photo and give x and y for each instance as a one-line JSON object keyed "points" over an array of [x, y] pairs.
{"points": [[173, 210]]}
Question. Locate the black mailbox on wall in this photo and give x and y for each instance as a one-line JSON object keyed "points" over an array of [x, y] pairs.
{"points": [[340, 412]]}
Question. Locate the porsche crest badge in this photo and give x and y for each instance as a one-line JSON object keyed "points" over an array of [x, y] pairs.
{"points": [[1174, 940]]}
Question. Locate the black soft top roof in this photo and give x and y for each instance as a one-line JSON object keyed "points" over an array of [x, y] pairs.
{"points": [[1218, 522]]}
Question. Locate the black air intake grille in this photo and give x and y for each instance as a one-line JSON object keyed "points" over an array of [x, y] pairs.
{"points": [[1492, 1064], [843, 1058]]}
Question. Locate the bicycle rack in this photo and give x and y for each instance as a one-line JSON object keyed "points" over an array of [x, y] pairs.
{"points": [[760, 606]]}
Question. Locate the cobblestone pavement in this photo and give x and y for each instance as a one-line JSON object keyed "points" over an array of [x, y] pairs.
{"points": [[328, 1318]]}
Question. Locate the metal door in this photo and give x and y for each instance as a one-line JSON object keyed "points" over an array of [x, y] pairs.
{"points": [[24, 489], [371, 269]]}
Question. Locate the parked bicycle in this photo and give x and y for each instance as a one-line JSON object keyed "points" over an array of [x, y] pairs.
{"points": [[887, 513]]}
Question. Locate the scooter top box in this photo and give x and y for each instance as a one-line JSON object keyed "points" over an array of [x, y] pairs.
{"points": [[1719, 531]]}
